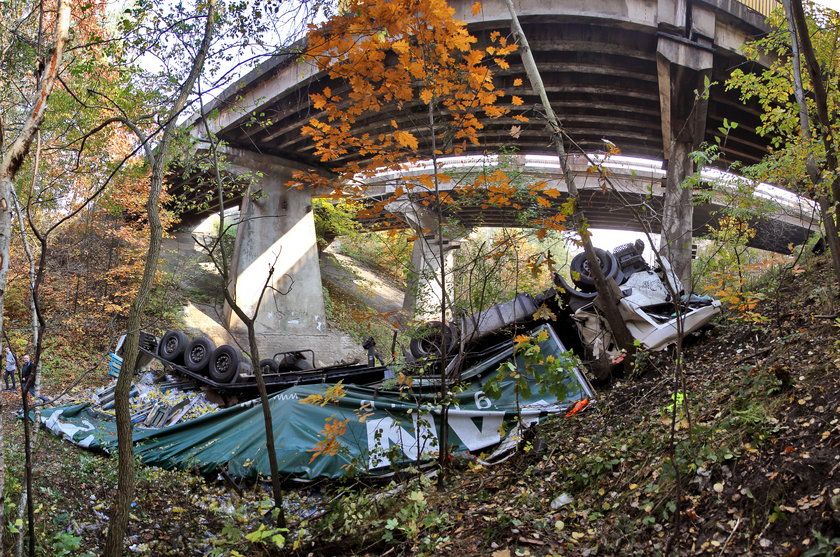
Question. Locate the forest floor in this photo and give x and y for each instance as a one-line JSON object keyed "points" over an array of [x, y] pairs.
{"points": [[747, 465]]}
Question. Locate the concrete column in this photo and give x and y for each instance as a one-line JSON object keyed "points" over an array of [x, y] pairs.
{"points": [[427, 283], [424, 288], [277, 229], [683, 63]]}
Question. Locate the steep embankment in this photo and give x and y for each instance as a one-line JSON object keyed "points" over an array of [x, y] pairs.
{"points": [[750, 465]]}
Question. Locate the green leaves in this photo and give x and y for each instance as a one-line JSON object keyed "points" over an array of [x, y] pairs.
{"points": [[264, 534]]}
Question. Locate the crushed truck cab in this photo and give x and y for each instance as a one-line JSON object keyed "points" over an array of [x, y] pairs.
{"points": [[646, 304]]}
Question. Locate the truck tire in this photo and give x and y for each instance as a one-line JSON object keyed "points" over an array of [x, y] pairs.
{"points": [[580, 268], [269, 365], [198, 354], [224, 364], [428, 340], [172, 346]]}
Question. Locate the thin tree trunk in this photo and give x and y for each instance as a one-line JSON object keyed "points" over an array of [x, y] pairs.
{"points": [[799, 36], [25, 503], [12, 160], [606, 291], [114, 541], [443, 442], [223, 266]]}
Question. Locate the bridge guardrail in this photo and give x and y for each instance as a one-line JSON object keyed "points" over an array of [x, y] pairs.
{"points": [[764, 7]]}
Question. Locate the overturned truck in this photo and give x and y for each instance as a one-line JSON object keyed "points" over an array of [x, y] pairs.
{"points": [[653, 304], [386, 429]]}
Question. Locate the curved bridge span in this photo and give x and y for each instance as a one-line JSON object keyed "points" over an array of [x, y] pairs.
{"points": [[632, 200], [623, 70], [611, 68]]}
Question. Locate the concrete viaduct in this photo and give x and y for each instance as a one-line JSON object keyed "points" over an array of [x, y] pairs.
{"points": [[625, 70]]}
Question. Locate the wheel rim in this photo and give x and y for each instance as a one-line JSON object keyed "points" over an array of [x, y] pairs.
{"points": [[223, 363], [586, 267], [171, 344], [429, 346], [198, 353]]}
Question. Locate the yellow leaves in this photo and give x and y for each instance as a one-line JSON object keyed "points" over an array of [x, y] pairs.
{"points": [[318, 101], [416, 69], [517, 82], [473, 58], [462, 41], [521, 339], [494, 111], [436, 63], [516, 100], [330, 396], [406, 139], [329, 445], [362, 414], [544, 313], [427, 181], [520, 118], [501, 177]]}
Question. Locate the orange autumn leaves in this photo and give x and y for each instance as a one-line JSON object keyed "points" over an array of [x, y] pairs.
{"points": [[412, 62], [390, 55]]}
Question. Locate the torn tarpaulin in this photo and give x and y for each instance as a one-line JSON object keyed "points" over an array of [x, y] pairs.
{"points": [[383, 428]]}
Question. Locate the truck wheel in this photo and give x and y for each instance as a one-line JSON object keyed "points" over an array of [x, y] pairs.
{"points": [[198, 353], [580, 268], [172, 346], [428, 340], [224, 364], [269, 365]]}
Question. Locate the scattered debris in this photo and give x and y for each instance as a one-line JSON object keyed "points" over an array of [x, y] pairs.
{"points": [[156, 400]]}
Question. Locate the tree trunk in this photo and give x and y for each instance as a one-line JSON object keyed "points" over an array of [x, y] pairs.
{"points": [[799, 36], [12, 160], [606, 291], [222, 265], [114, 541], [25, 502]]}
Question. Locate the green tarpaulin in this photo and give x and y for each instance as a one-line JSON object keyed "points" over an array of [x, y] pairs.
{"points": [[383, 429]]}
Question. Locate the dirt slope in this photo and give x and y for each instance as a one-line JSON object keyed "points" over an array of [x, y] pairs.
{"points": [[757, 452]]}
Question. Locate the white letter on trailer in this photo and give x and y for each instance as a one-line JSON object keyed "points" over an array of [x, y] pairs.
{"points": [[472, 436], [385, 432]]}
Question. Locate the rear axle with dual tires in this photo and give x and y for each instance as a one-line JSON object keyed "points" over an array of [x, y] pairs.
{"points": [[226, 368]]}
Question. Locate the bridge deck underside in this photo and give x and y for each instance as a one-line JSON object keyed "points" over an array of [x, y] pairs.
{"points": [[601, 78]]}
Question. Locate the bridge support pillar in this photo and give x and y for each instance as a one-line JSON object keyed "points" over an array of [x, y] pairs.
{"points": [[428, 282], [683, 65], [277, 229]]}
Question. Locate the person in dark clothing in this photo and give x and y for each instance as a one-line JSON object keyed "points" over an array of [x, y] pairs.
{"points": [[11, 366], [25, 370]]}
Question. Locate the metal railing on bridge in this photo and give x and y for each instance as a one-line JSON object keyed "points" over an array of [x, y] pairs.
{"points": [[764, 7]]}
